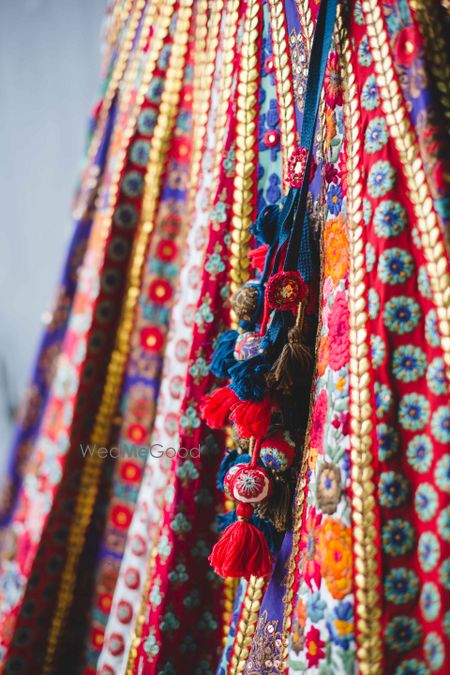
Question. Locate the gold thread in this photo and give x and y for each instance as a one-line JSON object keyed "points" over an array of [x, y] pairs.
{"points": [[100, 436], [246, 627], [400, 130], [246, 148], [363, 499], [285, 94], [206, 43], [306, 22]]}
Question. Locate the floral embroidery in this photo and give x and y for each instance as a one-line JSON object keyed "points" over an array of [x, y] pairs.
{"points": [[440, 424], [369, 96], [388, 442], [338, 332], [376, 135], [378, 349], [335, 243], [434, 651], [401, 586], [364, 55], [336, 557], [403, 633], [393, 489], [426, 501], [381, 179], [397, 537], [442, 473], [314, 647], [383, 399], [395, 266], [389, 218], [430, 601], [428, 551], [328, 489], [436, 376], [419, 453], [401, 314], [408, 363]]}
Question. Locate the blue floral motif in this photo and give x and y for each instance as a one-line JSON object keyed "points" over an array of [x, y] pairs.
{"points": [[139, 152], [423, 282], [383, 399], [411, 667], [334, 199], [442, 473], [428, 551], [397, 537], [126, 216], [381, 179], [440, 424], [430, 601], [315, 607], [376, 135], [370, 257], [431, 329], [367, 211], [443, 523], [408, 363], [364, 55], [436, 376], [378, 349], [215, 264], [447, 623], [132, 184], [401, 314], [425, 501], [388, 442], [357, 13], [419, 453], [369, 96], [374, 303], [401, 586], [395, 266], [340, 625], [414, 411], [433, 648], [393, 488], [147, 121], [403, 633], [389, 219], [444, 573]]}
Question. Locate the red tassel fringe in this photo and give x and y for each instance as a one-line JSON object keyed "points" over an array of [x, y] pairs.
{"points": [[216, 407], [242, 551], [251, 419]]}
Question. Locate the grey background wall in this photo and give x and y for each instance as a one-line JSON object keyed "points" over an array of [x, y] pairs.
{"points": [[49, 79]]}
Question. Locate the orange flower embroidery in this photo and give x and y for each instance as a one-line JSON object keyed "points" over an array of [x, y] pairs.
{"points": [[335, 550], [336, 249]]}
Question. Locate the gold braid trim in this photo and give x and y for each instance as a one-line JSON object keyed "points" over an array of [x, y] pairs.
{"points": [[306, 22], [92, 471], [400, 130], [363, 500], [227, 51], [246, 147], [285, 94], [206, 44], [436, 51], [247, 624]]}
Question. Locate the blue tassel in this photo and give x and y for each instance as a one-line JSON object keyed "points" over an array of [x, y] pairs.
{"points": [[265, 226], [248, 378], [223, 357], [273, 538], [231, 458]]}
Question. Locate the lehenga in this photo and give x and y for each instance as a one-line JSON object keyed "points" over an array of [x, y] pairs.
{"points": [[258, 291]]}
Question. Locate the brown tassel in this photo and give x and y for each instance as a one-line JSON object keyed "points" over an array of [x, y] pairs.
{"points": [[293, 364], [278, 508]]}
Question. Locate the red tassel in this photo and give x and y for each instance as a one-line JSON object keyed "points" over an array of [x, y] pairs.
{"points": [[258, 257], [216, 407], [251, 419], [242, 551]]}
